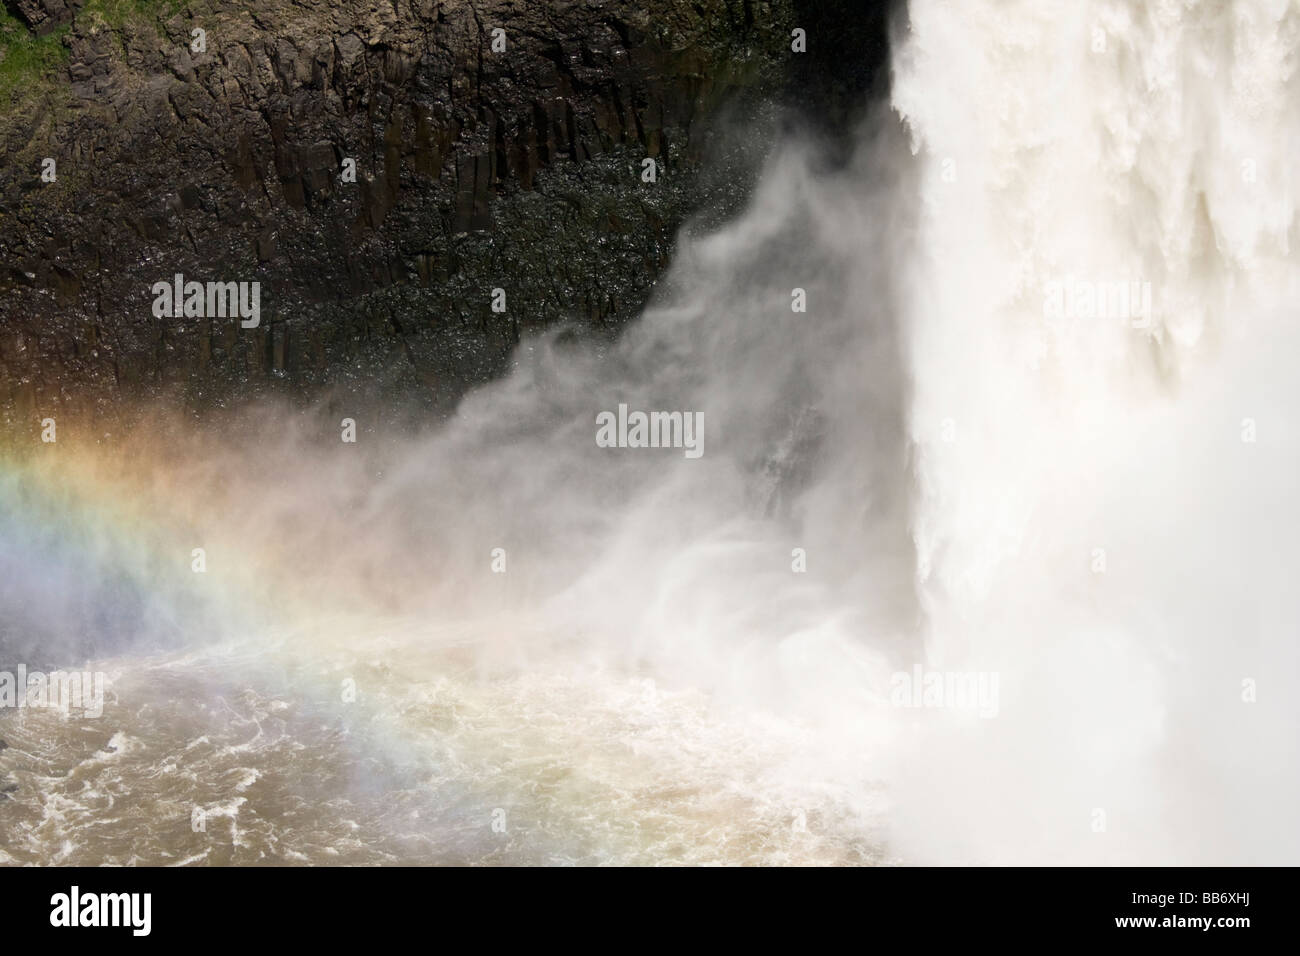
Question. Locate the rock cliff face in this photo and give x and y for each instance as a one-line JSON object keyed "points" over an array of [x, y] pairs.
{"points": [[42, 16], [496, 145]]}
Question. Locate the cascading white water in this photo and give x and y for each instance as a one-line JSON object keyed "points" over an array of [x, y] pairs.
{"points": [[979, 480], [1104, 508]]}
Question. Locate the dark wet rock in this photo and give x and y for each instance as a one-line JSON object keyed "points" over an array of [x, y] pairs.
{"points": [[44, 15], [474, 170]]}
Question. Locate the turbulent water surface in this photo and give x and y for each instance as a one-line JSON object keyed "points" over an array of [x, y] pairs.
{"points": [[501, 643]]}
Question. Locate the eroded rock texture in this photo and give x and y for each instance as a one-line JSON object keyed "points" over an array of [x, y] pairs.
{"points": [[42, 16], [476, 169]]}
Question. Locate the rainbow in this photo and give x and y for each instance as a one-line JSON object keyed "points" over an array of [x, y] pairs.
{"points": [[102, 548]]}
